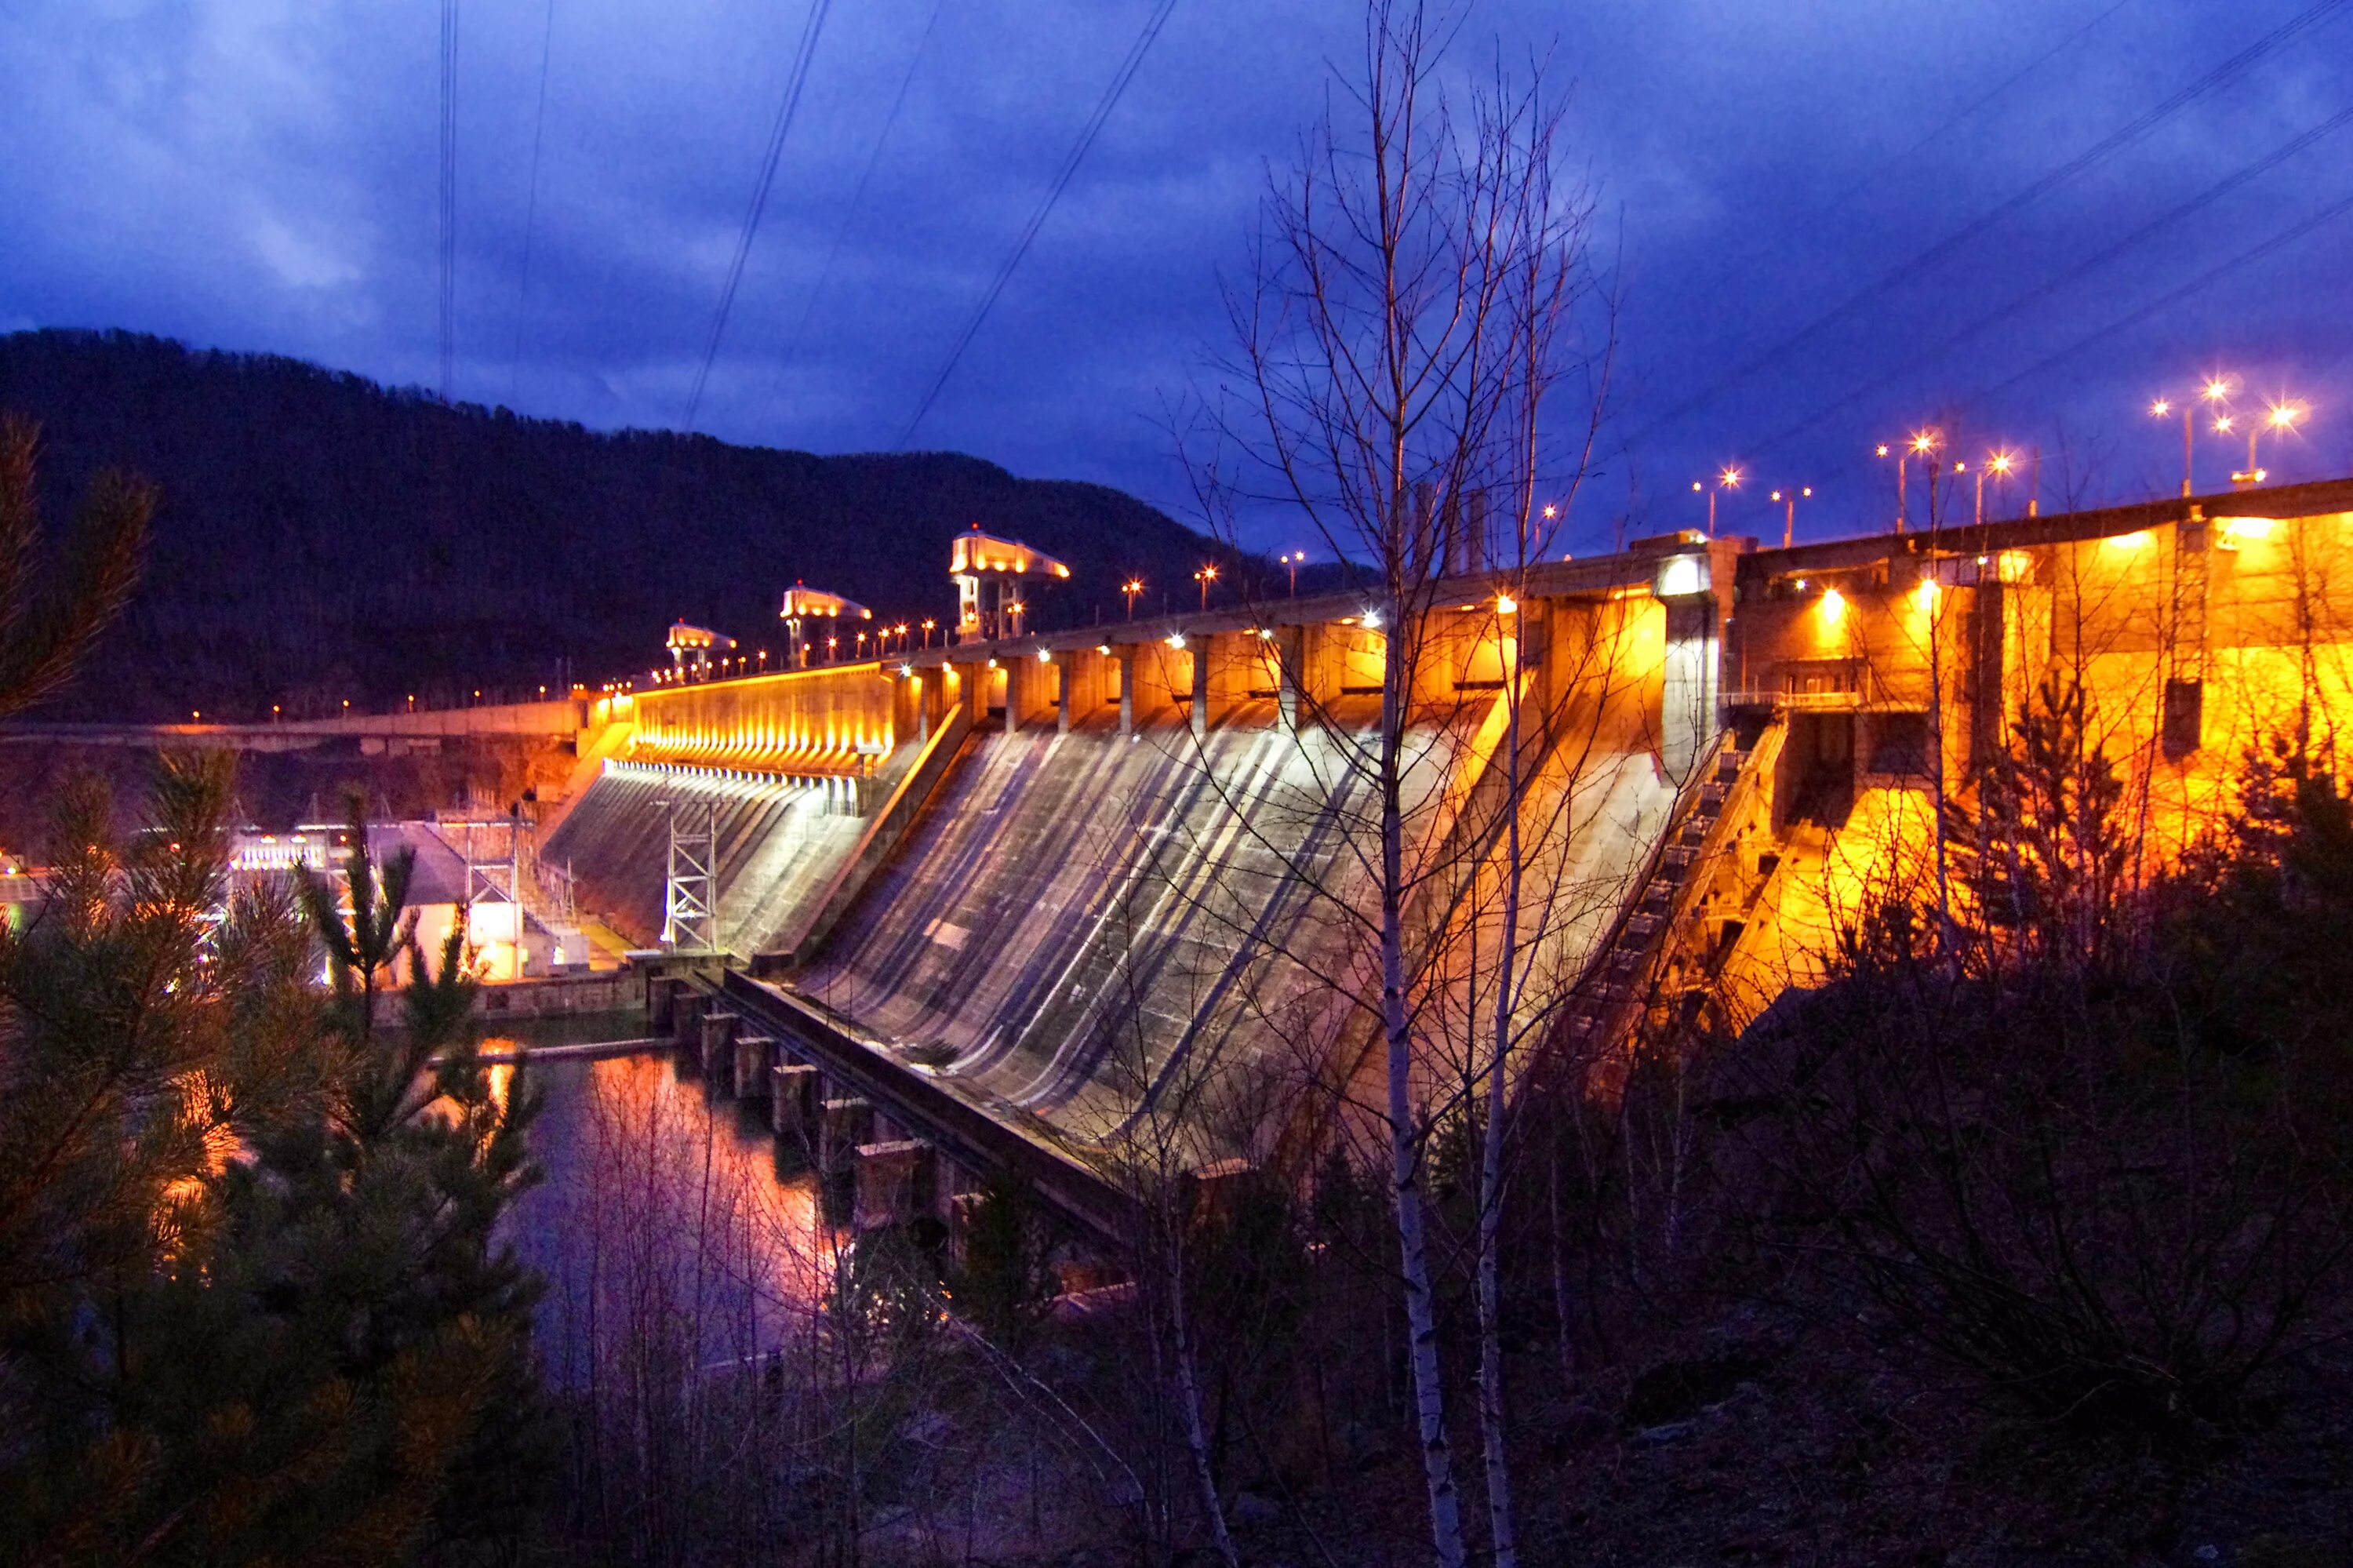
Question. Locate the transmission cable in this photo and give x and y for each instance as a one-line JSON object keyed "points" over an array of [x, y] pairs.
{"points": [[2139, 313], [857, 198], [448, 323], [1069, 167], [2037, 63], [2168, 221], [1879, 170], [531, 200], [2205, 280], [811, 29], [2123, 136]]}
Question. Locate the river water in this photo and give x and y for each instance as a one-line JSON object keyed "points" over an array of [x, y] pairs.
{"points": [[664, 1218]]}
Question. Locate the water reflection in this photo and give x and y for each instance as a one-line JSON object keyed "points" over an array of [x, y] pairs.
{"points": [[666, 1226]]}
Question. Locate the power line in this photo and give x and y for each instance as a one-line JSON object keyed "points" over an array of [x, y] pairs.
{"points": [[1864, 181], [857, 196], [1069, 167], [2168, 222], [811, 29], [2131, 132], [448, 215], [2037, 63], [531, 201], [2205, 280], [2139, 314]]}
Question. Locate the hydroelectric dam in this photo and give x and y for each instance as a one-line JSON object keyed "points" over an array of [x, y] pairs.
{"points": [[1098, 906]]}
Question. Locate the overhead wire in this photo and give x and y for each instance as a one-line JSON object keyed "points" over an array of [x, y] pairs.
{"points": [[1991, 95], [811, 28], [2204, 281], [448, 258], [2106, 147], [857, 198], [2166, 222], [1128, 66], [1896, 160], [531, 201], [2135, 316]]}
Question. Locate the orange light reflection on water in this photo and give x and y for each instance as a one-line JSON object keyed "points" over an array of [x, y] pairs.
{"points": [[664, 1220]]}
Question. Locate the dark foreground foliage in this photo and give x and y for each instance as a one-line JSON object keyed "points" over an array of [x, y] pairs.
{"points": [[250, 1304]]}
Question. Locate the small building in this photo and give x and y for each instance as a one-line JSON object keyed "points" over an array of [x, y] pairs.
{"points": [[691, 648], [992, 577], [804, 604]]}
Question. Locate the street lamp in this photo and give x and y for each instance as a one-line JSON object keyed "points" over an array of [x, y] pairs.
{"points": [[1291, 558], [2216, 392], [1727, 479], [1128, 589], [1999, 465], [1205, 576], [1923, 443], [1789, 518], [928, 624], [2279, 419]]}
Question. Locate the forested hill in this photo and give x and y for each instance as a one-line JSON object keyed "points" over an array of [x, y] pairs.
{"points": [[322, 537]]}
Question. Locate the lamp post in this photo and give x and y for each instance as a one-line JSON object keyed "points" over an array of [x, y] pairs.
{"points": [[1205, 576], [1924, 443], [1999, 465], [928, 624], [2214, 394], [1291, 558], [1128, 591], [1789, 517], [2281, 418], [1727, 479]]}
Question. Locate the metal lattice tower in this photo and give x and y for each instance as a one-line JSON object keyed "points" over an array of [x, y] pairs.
{"points": [[491, 877], [691, 900]]}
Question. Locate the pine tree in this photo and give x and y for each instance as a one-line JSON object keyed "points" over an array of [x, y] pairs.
{"points": [[253, 1306], [45, 630]]}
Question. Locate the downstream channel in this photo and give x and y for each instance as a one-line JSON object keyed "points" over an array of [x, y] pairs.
{"points": [[665, 1221]]}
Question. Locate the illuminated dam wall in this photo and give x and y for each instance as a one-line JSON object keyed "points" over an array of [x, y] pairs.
{"points": [[1118, 886], [783, 770], [1142, 887], [2195, 630]]}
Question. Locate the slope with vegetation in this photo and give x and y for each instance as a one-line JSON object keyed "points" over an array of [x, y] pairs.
{"points": [[321, 537]]}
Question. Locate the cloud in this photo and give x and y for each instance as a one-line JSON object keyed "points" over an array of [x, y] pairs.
{"points": [[261, 174]]}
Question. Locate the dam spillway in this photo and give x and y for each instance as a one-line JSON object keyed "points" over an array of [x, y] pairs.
{"points": [[1095, 879], [1139, 886]]}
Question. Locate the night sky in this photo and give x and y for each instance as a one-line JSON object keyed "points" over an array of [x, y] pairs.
{"points": [[263, 175]]}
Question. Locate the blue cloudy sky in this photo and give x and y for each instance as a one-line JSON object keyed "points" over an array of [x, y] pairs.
{"points": [[262, 174]]}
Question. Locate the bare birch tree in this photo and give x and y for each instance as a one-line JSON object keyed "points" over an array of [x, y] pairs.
{"points": [[1409, 321]]}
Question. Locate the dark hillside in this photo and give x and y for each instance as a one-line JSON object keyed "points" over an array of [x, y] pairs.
{"points": [[322, 537]]}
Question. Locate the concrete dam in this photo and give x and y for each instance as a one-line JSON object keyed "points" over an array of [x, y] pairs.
{"points": [[1083, 902]]}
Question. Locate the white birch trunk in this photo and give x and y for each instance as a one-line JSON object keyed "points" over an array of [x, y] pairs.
{"points": [[1188, 1398], [1404, 1142], [1504, 1540]]}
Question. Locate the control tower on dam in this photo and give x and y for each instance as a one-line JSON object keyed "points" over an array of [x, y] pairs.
{"points": [[1119, 887]]}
